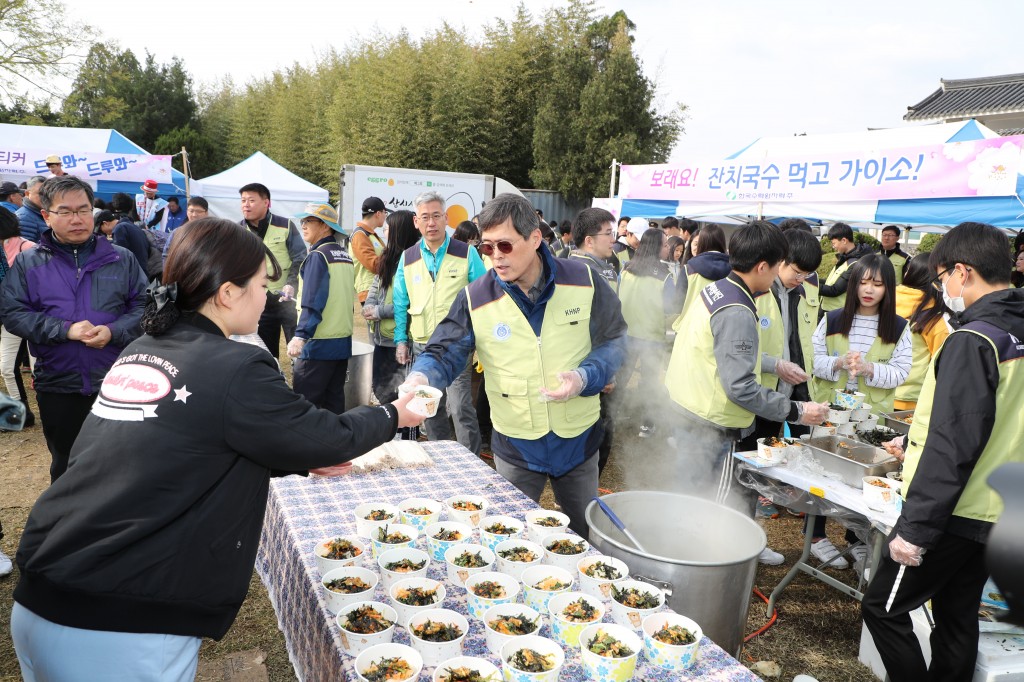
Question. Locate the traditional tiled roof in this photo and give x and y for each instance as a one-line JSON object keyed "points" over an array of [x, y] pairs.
{"points": [[971, 97]]}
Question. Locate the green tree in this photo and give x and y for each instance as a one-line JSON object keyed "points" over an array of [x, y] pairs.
{"points": [[38, 44]]}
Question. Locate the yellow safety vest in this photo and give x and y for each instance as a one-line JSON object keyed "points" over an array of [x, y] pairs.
{"points": [[276, 240], [336, 322], [430, 298], [695, 283], [363, 277], [807, 318], [1005, 444], [692, 378], [518, 363], [898, 261], [770, 334], [642, 308], [829, 303]]}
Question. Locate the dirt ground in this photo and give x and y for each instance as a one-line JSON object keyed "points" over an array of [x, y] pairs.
{"points": [[817, 631]]}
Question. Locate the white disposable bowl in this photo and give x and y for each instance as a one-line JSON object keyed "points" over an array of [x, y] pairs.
{"points": [[880, 498], [425, 406], [437, 548], [391, 650], [481, 665], [868, 424], [565, 631], [600, 587], [491, 540], [822, 431], [852, 401], [458, 574], [420, 521], [516, 568], [408, 531], [405, 611], [337, 600], [389, 577], [366, 528], [537, 599], [632, 617], [566, 561], [773, 454], [847, 429], [861, 413], [355, 643], [838, 417], [495, 640], [324, 564], [543, 646], [536, 533], [435, 652], [606, 667], [477, 605], [668, 656], [469, 517]]}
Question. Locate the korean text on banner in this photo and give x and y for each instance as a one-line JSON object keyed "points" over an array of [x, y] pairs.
{"points": [[971, 168], [88, 165]]}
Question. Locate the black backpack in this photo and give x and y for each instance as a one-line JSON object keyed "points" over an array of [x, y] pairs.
{"points": [[157, 241]]}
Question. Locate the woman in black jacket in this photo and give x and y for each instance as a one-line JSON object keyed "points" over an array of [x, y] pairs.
{"points": [[148, 542]]}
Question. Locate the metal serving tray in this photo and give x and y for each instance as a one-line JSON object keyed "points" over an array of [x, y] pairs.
{"points": [[895, 424], [851, 459]]}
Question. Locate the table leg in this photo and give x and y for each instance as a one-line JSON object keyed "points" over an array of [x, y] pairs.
{"points": [[808, 539]]}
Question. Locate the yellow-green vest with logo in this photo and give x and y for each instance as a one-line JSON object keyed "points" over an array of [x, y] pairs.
{"points": [[695, 283], [276, 240], [363, 277], [642, 307], [692, 378], [1006, 444], [770, 334], [880, 399], [910, 390], [387, 324], [807, 307], [518, 363], [336, 322], [430, 299], [829, 303], [898, 260]]}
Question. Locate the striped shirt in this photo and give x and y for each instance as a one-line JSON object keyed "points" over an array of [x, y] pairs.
{"points": [[862, 334]]}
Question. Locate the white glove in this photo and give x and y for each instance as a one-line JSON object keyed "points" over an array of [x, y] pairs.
{"points": [[790, 372], [295, 346], [572, 386], [813, 413], [413, 380], [894, 447], [370, 312], [905, 553], [287, 293]]}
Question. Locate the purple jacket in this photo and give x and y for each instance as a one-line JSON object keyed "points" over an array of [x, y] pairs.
{"points": [[45, 292]]}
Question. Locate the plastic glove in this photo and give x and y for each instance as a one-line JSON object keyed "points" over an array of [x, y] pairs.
{"points": [[370, 312], [402, 354], [571, 386], [790, 372], [852, 362], [905, 553], [894, 447], [813, 414], [412, 381], [287, 293], [295, 347]]}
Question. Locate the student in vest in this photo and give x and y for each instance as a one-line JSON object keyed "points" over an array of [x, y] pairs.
{"points": [[890, 248], [551, 336], [709, 263], [283, 240], [713, 372], [833, 290], [366, 246], [646, 293], [967, 424], [921, 305], [429, 277], [322, 343]]}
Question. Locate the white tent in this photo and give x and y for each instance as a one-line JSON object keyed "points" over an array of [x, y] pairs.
{"points": [[289, 193]]}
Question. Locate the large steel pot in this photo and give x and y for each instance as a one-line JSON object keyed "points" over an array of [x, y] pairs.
{"points": [[359, 379], [702, 554]]}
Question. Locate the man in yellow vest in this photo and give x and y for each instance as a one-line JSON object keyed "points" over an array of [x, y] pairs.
{"points": [[430, 275], [550, 336], [833, 289], [366, 246], [967, 423], [890, 248], [322, 343], [280, 236]]}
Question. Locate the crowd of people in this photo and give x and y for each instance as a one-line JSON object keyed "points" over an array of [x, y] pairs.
{"points": [[662, 330]]}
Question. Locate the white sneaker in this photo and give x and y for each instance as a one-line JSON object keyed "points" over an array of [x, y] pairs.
{"points": [[860, 560], [824, 551], [770, 557], [5, 565]]}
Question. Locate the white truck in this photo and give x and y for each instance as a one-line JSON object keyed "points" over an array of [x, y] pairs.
{"points": [[464, 193]]}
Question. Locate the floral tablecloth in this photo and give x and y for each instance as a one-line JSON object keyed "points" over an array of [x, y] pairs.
{"points": [[301, 511]]}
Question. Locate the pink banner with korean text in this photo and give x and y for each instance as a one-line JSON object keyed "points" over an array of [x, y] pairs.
{"points": [[970, 168], [87, 165]]}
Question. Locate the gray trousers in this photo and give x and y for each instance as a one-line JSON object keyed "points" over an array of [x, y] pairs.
{"points": [[573, 490], [458, 403]]}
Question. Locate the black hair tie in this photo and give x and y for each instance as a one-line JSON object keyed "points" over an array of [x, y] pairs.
{"points": [[161, 294]]}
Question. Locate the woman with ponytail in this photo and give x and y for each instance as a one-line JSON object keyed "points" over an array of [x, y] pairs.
{"points": [[147, 543]]}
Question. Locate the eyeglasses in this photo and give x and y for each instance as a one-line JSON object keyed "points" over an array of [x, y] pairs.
{"points": [[424, 217], [937, 282], [609, 233], [505, 247], [64, 213]]}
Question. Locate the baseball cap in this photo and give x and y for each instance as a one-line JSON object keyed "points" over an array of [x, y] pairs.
{"points": [[9, 188], [638, 226], [324, 212], [374, 204], [53, 158]]}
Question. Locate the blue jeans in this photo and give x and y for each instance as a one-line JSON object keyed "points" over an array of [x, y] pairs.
{"points": [[49, 652]]}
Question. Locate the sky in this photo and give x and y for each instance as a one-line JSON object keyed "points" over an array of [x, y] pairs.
{"points": [[745, 69]]}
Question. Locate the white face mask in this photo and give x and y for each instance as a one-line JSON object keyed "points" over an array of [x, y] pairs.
{"points": [[954, 303]]}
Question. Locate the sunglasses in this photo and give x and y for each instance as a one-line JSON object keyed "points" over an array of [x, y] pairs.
{"points": [[505, 247]]}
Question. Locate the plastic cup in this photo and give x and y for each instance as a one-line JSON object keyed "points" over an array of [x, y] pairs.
{"points": [[608, 668], [669, 656]]}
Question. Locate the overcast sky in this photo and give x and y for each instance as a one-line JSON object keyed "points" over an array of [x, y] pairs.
{"points": [[746, 68]]}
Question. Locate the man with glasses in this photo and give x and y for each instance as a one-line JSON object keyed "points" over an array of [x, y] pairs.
{"points": [[550, 336], [430, 275], [78, 301]]}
